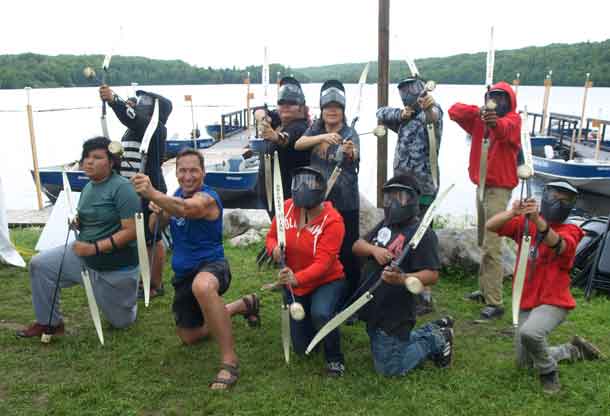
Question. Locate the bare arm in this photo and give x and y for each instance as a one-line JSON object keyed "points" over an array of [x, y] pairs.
{"points": [[200, 206], [307, 142], [121, 238]]}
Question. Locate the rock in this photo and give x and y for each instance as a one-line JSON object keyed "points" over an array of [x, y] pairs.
{"points": [[458, 248], [238, 221], [249, 237], [235, 222], [370, 216]]}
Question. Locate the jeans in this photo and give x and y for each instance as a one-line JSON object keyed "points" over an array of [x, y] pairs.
{"points": [[393, 356], [320, 307]]}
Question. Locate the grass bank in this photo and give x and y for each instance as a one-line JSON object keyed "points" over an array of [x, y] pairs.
{"points": [[144, 370]]}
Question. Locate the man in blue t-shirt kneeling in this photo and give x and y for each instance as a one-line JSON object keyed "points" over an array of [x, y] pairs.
{"points": [[202, 273]]}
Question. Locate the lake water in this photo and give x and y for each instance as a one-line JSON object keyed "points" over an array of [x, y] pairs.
{"points": [[59, 134]]}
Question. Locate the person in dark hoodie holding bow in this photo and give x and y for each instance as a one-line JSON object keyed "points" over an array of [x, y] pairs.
{"points": [[136, 118], [499, 122]]}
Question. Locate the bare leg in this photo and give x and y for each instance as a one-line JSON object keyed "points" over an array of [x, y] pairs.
{"points": [[156, 269], [193, 335]]}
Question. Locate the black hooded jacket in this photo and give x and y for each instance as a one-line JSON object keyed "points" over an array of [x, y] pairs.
{"points": [[136, 123]]}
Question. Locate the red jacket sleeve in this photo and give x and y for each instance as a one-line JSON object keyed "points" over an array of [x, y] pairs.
{"points": [[327, 253], [271, 240], [508, 128], [465, 115], [572, 236], [512, 228]]}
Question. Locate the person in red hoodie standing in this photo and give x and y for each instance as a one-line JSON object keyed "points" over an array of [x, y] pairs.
{"points": [[546, 299], [502, 126], [314, 234]]}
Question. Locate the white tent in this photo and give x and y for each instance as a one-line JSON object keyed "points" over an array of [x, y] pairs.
{"points": [[8, 254]]}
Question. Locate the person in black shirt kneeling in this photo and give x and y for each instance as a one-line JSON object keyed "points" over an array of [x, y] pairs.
{"points": [[396, 346]]}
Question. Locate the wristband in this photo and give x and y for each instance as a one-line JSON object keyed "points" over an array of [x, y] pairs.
{"points": [[97, 248], [544, 233], [114, 246], [557, 246]]}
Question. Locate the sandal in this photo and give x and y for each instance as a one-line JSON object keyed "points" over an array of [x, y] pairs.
{"points": [[252, 310], [227, 382]]}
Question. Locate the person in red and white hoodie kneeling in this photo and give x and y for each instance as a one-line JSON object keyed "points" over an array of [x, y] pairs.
{"points": [[314, 234]]}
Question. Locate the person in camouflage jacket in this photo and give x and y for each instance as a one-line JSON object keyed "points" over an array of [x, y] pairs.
{"points": [[412, 153]]}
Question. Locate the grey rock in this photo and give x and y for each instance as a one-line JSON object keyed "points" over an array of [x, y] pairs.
{"points": [[251, 236], [370, 216], [235, 222], [458, 248]]}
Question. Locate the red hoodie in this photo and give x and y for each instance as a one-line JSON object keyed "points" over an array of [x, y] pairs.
{"points": [[504, 139], [549, 282], [312, 253]]}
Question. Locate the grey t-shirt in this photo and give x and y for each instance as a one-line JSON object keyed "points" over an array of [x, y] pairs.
{"points": [[344, 194]]}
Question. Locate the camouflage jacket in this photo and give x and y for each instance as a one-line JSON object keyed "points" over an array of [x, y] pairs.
{"points": [[412, 148]]}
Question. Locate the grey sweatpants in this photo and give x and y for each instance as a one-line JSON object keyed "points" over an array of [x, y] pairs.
{"points": [[115, 291], [532, 347]]}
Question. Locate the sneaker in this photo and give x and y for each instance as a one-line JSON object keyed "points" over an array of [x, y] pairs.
{"points": [[36, 330], [445, 322], [423, 305], [490, 312], [476, 296], [550, 382], [335, 369], [444, 358], [587, 350]]}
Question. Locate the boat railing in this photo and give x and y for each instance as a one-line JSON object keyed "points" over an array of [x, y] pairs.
{"points": [[239, 119]]}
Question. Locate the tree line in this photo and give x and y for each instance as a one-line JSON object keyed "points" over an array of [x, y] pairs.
{"points": [[569, 63]]}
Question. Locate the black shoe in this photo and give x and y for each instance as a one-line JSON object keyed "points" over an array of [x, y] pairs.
{"points": [[550, 382], [476, 296], [444, 358], [335, 369], [423, 305], [445, 322], [586, 350], [490, 312]]}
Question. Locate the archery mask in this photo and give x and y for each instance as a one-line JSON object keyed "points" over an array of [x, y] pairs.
{"points": [[145, 106], [410, 90], [308, 187], [502, 100], [400, 203], [558, 200]]}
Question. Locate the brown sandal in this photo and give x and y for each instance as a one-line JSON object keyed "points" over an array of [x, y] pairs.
{"points": [[252, 310], [227, 382]]}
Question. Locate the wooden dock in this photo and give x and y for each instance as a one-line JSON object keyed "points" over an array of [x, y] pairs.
{"points": [[28, 217]]}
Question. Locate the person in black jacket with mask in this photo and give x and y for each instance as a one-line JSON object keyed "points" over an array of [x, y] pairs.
{"points": [[136, 118]]}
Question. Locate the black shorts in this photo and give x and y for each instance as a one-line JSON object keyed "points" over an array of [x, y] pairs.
{"points": [[186, 309]]}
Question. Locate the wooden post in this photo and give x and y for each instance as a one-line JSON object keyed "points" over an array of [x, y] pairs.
{"points": [[383, 66], [189, 98], [248, 96], [278, 81], [33, 145], [545, 105], [588, 84]]}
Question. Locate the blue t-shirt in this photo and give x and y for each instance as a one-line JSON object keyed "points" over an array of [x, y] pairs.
{"points": [[196, 241]]}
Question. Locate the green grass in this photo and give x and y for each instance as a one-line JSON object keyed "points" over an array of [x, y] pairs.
{"points": [[144, 370]]}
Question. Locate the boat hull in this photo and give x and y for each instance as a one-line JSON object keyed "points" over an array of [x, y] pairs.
{"points": [[172, 147], [588, 175]]}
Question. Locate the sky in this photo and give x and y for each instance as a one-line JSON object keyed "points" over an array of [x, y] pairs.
{"points": [[226, 33]]}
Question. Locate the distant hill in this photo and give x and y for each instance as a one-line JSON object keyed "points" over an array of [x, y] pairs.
{"points": [[569, 63]]}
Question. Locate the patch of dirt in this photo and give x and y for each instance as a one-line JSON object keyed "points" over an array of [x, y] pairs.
{"points": [[11, 326]]}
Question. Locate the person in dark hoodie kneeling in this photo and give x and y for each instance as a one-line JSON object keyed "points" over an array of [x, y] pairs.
{"points": [[396, 345], [136, 118]]}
